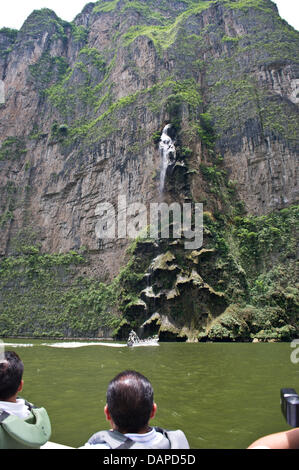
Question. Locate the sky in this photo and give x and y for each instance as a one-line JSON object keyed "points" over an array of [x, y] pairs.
{"points": [[14, 12]]}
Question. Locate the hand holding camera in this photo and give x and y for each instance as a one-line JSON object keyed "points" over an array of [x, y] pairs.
{"points": [[289, 401]]}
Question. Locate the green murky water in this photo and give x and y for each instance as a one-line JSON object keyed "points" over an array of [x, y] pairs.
{"points": [[222, 395]]}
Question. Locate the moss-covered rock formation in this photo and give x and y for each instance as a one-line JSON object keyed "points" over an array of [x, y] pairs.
{"points": [[241, 286]]}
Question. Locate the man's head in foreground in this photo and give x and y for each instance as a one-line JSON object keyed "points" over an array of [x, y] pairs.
{"points": [[130, 403], [11, 373]]}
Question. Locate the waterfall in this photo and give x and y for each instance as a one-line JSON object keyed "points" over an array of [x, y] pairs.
{"points": [[168, 154]]}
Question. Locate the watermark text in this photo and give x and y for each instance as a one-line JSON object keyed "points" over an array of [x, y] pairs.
{"points": [[295, 353], [158, 220]]}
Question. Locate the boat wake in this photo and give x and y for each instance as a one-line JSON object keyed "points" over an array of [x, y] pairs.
{"points": [[133, 341], [75, 344]]}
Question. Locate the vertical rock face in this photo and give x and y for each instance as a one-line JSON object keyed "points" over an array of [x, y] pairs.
{"points": [[87, 101]]}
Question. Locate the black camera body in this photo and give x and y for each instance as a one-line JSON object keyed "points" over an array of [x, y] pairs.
{"points": [[289, 401]]}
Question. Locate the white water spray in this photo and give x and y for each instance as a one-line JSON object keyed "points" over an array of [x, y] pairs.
{"points": [[168, 154], [77, 344]]}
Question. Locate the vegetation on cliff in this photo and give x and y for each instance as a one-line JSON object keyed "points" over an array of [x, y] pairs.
{"points": [[43, 295], [247, 264]]}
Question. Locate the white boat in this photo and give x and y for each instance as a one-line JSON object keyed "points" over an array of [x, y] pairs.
{"points": [[134, 341], [54, 445]]}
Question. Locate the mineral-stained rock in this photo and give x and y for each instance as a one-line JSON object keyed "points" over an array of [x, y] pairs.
{"points": [[164, 262]]}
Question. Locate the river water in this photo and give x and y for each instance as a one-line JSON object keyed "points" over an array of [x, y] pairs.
{"points": [[223, 395]]}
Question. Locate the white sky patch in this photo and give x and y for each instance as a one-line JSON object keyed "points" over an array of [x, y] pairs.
{"points": [[13, 13]]}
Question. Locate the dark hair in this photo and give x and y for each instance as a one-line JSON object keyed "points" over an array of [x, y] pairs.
{"points": [[130, 399], [11, 373]]}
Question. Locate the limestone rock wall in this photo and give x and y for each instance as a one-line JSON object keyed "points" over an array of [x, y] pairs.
{"points": [[87, 101]]}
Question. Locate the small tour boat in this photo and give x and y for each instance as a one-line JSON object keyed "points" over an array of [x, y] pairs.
{"points": [[134, 340]]}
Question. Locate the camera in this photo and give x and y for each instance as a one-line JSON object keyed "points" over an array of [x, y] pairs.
{"points": [[289, 401]]}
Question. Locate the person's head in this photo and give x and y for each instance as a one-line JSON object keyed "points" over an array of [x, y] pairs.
{"points": [[11, 373], [130, 402]]}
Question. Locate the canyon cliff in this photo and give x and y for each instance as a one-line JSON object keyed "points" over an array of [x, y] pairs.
{"points": [[85, 106]]}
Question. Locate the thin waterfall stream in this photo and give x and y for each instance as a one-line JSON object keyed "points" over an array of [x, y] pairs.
{"points": [[168, 154]]}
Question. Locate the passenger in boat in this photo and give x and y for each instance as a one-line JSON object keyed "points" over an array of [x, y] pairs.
{"points": [[281, 440], [130, 406], [22, 425]]}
